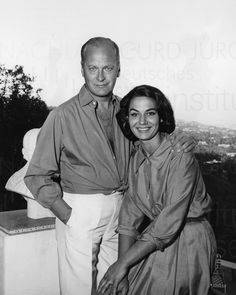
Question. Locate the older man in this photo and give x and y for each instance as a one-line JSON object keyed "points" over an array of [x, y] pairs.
{"points": [[78, 171]]}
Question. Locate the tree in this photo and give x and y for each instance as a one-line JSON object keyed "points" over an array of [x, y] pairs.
{"points": [[21, 109]]}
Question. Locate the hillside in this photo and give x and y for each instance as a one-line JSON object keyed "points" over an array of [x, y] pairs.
{"points": [[216, 153]]}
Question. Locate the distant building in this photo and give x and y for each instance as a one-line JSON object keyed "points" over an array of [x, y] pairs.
{"points": [[214, 161], [202, 142], [231, 155], [186, 129], [224, 145]]}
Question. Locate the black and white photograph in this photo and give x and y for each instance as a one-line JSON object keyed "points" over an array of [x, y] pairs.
{"points": [[118, 147]]}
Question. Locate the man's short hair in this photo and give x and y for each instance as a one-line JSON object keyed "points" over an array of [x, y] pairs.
{"points": [[98, 42]]}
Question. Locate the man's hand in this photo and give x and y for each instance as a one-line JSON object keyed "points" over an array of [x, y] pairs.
{"points": [[183, 142]]}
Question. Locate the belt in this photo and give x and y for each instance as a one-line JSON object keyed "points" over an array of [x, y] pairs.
{"points": [[195, 219]]}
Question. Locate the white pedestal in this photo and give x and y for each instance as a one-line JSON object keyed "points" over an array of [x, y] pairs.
{"points": [[28, 255]]}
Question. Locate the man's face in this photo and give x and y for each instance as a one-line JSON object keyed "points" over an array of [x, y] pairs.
{"points": [[100, 70]]}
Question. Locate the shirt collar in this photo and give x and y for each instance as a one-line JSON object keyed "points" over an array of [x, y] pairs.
{"points": [[158, 155], [85, 97]]}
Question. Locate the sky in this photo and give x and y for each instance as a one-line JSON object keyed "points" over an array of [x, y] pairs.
{"points": [[185, 48]]}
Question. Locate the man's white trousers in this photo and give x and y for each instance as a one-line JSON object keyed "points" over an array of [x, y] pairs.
{"points": [[88, 244]]}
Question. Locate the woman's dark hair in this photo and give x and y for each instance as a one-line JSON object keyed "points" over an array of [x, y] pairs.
{"points": [[163, 107]]}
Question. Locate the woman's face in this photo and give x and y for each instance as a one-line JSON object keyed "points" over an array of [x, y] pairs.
{"points": [[143, 118]]}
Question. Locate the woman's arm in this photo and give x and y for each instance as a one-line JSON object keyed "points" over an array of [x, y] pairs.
{"points": [[129, 220], [125, 242], [136, 252]]}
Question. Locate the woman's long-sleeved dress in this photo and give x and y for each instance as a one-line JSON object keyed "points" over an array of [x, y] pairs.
{"points": [[168, 188]]}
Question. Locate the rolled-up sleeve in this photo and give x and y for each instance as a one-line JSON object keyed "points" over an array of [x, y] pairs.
{"points": [[130, 217], [184, 181], [44, 165]]}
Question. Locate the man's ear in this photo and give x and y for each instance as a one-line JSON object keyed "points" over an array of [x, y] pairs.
{"points": [[82, 70]]}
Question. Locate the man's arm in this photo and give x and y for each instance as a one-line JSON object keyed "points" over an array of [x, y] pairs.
{"points": [[183, 142], [44, 167]]}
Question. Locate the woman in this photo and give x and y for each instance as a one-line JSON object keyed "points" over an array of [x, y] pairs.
{"points": [[174, 253]]}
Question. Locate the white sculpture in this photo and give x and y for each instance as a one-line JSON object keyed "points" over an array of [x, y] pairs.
{"points": [[16, 182]]}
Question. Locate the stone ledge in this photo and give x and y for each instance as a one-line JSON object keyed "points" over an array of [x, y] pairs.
{"points": [[16, 222]]}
